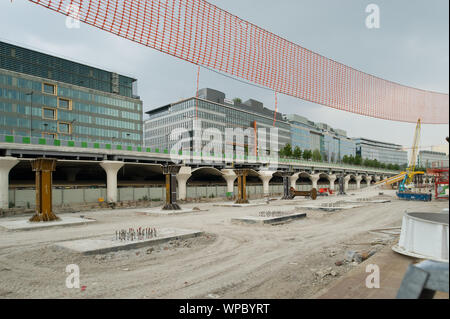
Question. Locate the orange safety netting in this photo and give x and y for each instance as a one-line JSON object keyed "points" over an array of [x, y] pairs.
{"points": [[203, 34]]}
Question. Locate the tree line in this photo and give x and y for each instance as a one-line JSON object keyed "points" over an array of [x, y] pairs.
{"points": [[316, 156]]}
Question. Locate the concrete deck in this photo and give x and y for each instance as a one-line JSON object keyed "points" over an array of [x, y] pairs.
{"points": [[240, 205], [108, 244], [392, 266], [375, 201], [160, 212], [267, 220], [24, 224], [329, 208]]}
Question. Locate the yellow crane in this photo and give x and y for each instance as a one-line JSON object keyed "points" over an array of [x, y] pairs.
{"points": [[411, 170], [406, 178]]}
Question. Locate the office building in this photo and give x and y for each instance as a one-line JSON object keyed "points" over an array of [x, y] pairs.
{"points": [[214, 110], [430, 159], [68, 100], [332, 143], [386, 153]]}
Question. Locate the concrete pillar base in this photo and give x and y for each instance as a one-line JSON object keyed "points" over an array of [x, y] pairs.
{"points": [[293, 180], [111, 168], [332, 179], [314, 179], [265, 177], [346, 180], [358, 182], [6, 164], [230, 176], [182, 178]]}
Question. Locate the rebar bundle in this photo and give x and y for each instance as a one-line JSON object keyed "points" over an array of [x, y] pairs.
{"points": [[136, 234]]}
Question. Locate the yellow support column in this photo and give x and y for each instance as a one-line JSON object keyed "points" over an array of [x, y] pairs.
{"points": [[44, 168]]}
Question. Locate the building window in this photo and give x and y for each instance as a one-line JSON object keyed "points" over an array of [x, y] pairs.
{"points": [[48, 114], [65, 128], [49, 135], [64, 104], [49, 88]]}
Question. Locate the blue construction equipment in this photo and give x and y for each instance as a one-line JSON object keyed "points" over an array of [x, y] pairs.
{"points": [[414, 196]]}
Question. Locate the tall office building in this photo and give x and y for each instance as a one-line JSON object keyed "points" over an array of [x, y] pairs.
{"points": [[332, 143], [214, 111], [69, 100], [387, 153]]}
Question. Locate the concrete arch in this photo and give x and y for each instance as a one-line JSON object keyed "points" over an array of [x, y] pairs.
{"points": [[304, 175], [324, 176], [365, 181], [304, 182], [206, 175], [323, 181]]}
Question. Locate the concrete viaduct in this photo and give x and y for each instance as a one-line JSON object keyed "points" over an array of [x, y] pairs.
{"points": [[73, 160]]}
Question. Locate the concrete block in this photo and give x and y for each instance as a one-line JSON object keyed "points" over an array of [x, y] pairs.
{"points": [[106, 244], [24, 224]]}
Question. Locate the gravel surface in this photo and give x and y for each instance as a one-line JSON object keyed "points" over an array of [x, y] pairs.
{"points": [[291, 260]]}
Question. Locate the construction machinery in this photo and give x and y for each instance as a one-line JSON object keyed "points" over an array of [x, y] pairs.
{"points": [[406, 179], [311, 194], [441, 179], [405, 186]]}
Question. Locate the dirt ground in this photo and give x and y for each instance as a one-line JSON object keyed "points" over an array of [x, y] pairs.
{"points": [[228, 261]]}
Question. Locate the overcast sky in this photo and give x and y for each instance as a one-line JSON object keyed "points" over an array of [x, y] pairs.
{"points": [[411, 48]]}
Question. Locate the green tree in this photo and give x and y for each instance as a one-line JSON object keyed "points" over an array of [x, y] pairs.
{"points": [[237, 101], [307, 154], [351, 160], [286, 151], [297, 153], [345, 159], [316, 156], [358, 160]]}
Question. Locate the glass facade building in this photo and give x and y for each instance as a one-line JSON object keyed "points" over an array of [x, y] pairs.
{"points": [[46, 96], [333, 144], [430, 159], [383, 152], [214, 111]]}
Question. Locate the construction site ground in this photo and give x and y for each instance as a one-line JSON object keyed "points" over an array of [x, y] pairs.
{"points": [[287, 260]]}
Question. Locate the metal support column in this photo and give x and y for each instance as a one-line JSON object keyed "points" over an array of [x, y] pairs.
{"points": [[286, 185], [43, 168], [242, 184], [171, 171]]}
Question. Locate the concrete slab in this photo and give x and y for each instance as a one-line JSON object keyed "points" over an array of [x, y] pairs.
{"points": [[392, 270], [240, 205], [375, 201], [105, 244], [267, 220], [160, 212], [24, 224], [329, 208]]}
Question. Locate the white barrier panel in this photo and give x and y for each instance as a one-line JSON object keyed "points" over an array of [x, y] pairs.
{"points": [[424, 235]]}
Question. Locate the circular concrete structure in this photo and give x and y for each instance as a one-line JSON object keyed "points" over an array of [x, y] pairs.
{"points": [[425, 236]]}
